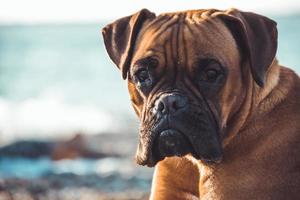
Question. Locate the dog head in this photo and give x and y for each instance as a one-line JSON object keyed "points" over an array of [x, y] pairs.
{"points": [[187, 74]]}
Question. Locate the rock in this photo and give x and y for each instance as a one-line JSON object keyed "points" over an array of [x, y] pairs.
{"points": [[74, 148], [123, 144], [81, 145], [73, 186], [29, 149]]}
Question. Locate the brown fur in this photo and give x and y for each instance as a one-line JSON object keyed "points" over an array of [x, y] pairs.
{"points": [[260, 125], [262, 158]]}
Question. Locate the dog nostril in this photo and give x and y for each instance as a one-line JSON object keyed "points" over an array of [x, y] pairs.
{"points": [[161, 106], [170, 103], [174, 105], [177, 102]]}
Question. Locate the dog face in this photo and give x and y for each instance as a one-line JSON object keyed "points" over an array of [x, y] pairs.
{"points": [[187, 73]]}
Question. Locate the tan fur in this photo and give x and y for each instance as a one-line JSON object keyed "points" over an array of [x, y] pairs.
{"points": [[262, 143], [261, 160], [260, 125]]}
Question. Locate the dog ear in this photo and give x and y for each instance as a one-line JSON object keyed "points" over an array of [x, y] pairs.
{"points": [[257, 35], [119, 38]]}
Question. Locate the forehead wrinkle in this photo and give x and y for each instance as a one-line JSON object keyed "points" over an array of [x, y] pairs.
{"points": [[198, 30], [154, 32], [219, 29], [210, 33], [161, 19], [154, 26], [151, 47], [219, 37], [152, 38], [198, 37], [198, 16], [182, 48], [174, 43], [210, 38]]}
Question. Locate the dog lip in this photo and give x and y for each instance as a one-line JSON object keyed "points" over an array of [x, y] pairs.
{"points": [[152, 157], [212, 160], [149, 159], [180, 143]]}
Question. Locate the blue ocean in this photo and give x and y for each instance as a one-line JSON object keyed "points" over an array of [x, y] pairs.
{"points": [[56, 79]]}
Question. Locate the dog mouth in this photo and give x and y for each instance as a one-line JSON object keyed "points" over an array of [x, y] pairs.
{"points": [[176, 136], [166, 143], [171, 142]]}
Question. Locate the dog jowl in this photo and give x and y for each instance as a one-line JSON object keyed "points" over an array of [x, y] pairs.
{"points": [[179, 68]]}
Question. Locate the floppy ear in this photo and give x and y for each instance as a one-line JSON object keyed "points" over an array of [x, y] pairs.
{"points": [[119, 38], [257, 35]]}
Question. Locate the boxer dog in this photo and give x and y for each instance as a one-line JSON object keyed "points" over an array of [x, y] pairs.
{"points": [[219, 117]]}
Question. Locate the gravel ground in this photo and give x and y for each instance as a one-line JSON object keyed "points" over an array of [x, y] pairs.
{"points": [[73, 187], [72, 194]]}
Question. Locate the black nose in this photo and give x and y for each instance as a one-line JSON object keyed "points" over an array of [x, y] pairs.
{"points": [[170, 103]]}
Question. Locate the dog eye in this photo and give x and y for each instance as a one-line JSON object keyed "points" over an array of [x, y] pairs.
{"points": [[211, 75], [210, 70], [143, 79], [142, 75]]}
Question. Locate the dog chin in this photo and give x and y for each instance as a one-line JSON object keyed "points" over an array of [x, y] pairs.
{"points": [[170, 143], [166, 143]]}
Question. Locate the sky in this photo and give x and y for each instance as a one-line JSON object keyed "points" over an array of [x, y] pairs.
{"points": [[45, 11]]}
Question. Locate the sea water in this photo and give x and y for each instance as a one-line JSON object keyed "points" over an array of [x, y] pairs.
{"points": [[58, 79]]}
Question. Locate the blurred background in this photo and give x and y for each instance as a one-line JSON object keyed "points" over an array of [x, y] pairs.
{"points": [[67, 130]]}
